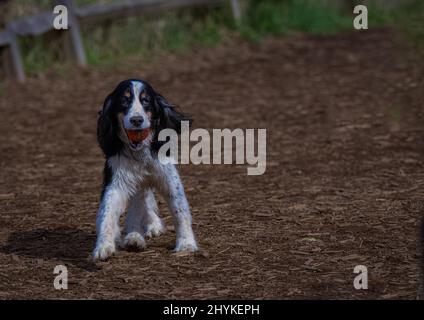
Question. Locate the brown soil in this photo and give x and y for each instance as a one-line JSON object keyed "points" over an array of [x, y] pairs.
{"points": [[344, 183]]}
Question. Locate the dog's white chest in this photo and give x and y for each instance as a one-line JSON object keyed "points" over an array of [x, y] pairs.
{"points": [[131, 173]]}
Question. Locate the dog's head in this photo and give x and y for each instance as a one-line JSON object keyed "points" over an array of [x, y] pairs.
{"points": [[134, 114]]}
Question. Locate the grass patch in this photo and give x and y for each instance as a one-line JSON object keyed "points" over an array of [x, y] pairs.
{"points": [[410, 20], [141, 36], [282, 17], [39, 53]]}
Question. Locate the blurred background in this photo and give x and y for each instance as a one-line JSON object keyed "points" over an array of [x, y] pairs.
{"points": [[144, 28], [343, 109]]}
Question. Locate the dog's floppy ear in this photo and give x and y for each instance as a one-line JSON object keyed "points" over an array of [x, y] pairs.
{"points": [[166, 116], [107, 136], [169, 115]]}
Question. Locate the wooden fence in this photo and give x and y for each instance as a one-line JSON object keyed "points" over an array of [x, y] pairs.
{"points": [[41, 23]]}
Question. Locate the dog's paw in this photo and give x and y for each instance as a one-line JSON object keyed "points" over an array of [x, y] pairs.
{"points": [[103, 251], [134, 241], [184, 244], [154, 229]]}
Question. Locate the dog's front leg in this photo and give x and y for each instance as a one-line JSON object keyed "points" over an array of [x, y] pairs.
{"points": [[133, 233], [173, 191], [113, 204]]}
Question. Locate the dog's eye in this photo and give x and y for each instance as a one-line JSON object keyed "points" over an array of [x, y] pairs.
{"points": [[145, 101], [125, 102]]}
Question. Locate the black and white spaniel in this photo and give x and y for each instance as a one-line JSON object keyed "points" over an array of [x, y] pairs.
{"points": [[127, 132]]}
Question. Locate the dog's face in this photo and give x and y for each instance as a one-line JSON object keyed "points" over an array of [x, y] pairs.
{"points": [[133, 114]]}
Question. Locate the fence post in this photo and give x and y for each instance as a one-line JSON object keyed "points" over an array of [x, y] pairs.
{"points": [[74, 32], [15, 55], [235, 6]]}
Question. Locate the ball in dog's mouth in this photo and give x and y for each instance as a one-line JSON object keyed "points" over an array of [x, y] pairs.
{"points": [[137, 136]]}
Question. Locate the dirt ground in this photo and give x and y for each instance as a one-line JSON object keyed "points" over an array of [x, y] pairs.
{"points": [[344, 184]]}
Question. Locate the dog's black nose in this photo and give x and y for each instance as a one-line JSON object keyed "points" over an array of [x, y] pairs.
{"points": [[136, 121]]}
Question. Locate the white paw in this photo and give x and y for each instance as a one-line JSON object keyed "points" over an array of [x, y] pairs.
{"points": [[103, 251], [154, 229], [134, 241], [184, 244]]}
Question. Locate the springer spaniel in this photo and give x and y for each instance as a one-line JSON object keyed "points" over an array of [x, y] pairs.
{"points": [[127, 132]]}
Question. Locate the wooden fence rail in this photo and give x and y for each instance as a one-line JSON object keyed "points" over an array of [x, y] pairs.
{"points": [[41, 23]]}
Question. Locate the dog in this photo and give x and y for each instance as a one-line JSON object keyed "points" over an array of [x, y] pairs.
{"points": [[127, 132]]}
